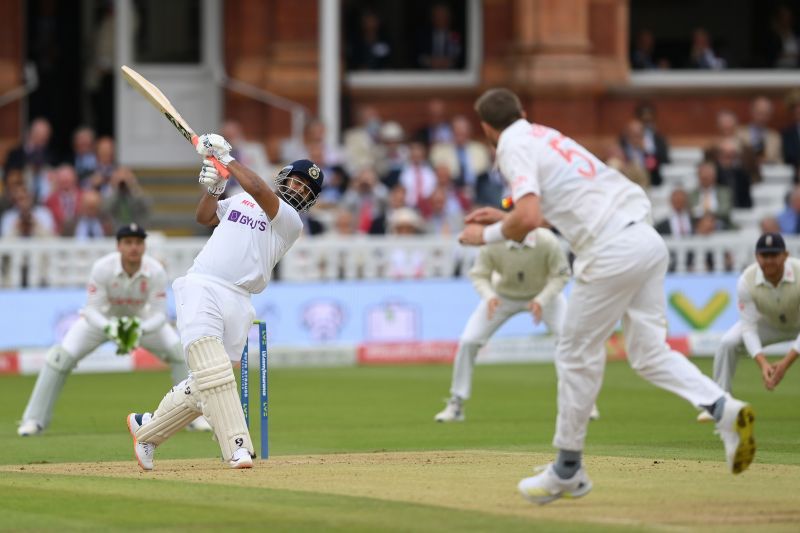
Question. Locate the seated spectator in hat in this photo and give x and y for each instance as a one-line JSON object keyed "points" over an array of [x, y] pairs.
{"points": [[392, 153], [26, 219], [764, 141], [702, 55], [790, 137], [84, 159], [403, 263], [92, 221], [789, 218], [125, 200], [64, 202], [710, 197]]}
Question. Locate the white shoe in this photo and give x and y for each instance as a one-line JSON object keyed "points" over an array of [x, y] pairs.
{"points": [[704, 417], [453, 411], [29, 428], [144, 451], [241, 459], [735, 428], [595, 414], [199, 424], [546, 486]]}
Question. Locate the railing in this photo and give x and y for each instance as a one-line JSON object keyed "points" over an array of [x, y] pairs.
{"points": [[66, 263]]}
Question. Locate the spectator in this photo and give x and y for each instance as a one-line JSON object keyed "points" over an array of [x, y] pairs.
{"points": [[438, 128], [789, 218], [396, 200], [679, 222], [643, 53], [311, 224], [769, 225], [655, 144], [783, 44], [791, 135], [84, 159], [728, 128], [34, 157], [13, 181], [710, 197], [706, 226], [392, 153], [336, 179], [250, 153], [702, 55], [313, 133], [731, 172], [26, 219], [343, 223], [633, 145], [764, 141], [366, 199], [125, 200], [92, 222], [106, 164], [361, 141], [418, 178], [446, 217], [466, 158], [404, 263], [370, 49], [442, 46], [64, 201], [616, 159]]}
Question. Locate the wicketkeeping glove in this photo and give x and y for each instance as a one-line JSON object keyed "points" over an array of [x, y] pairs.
{"points": [[130, 331], [209, 176], [213, 145], [112, 330]]}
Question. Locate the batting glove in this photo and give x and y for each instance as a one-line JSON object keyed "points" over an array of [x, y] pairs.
{"points": [[213, 145], [209, 176]]}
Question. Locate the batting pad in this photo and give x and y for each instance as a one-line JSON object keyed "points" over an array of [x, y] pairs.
{"points": [[179, 407], [52, 377], [216, 388]]}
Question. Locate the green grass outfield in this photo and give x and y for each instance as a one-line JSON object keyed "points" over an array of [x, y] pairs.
{"points": [[386, 413]]}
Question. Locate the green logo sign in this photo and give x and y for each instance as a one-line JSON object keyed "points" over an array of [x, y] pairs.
{"points": [[699, 317]]}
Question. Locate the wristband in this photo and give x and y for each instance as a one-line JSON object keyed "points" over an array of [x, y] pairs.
{"points": [[493, 233]]}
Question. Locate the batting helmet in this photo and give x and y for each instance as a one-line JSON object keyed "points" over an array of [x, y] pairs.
{"points": [[300, 193]]}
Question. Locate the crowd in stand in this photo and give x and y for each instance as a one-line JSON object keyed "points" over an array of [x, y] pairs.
{"points": [[84, 194]]}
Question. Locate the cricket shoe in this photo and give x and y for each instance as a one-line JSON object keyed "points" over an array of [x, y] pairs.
{"points": [[144, 451], [546, 486], [29, 428], [735, 428], [595, 414], [199, 424], [453, 411], [241, 459], [704, 417]]}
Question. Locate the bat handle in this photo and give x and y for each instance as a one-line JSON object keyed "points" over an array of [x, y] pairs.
{"points": [[224, 172]]}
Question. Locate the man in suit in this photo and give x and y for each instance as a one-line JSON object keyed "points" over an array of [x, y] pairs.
{"points": [[466, 158], [679, 223], [763, 140], [710, 197]]}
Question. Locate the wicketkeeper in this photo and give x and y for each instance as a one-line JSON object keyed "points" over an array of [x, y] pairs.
{"points": [[127, 305]]}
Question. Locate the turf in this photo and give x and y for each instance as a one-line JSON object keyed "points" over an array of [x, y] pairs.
{"points": [[345, 410]]}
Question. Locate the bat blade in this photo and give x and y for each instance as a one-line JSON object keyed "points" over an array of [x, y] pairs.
{"points": [[159, 100]]}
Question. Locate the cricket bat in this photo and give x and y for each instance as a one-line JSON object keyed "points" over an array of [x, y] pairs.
{"points": [[154, 95]]}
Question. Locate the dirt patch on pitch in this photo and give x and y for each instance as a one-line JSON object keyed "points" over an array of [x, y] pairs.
{"points": [[663, 494]]}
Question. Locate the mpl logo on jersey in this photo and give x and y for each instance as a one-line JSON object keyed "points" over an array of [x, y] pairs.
{"points": [[254, 223]]}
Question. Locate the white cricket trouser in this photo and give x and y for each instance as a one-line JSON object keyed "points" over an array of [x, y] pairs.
{"points": [[731, 347], [623, 279], [207, 308], [479, 330]]}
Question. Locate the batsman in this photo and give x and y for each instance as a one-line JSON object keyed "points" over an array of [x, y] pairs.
{"points": [[127, 305]]}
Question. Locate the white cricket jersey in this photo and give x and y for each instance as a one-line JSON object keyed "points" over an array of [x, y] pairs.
{"points": [[246, 245], [579, 195], [113, 293]]}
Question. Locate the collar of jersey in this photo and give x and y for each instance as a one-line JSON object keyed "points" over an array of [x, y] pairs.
{"points": [[788, 275]]}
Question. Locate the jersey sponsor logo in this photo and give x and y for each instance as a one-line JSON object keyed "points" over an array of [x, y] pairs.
{"points": [[248, 203], [254, 223], [126, 301]]}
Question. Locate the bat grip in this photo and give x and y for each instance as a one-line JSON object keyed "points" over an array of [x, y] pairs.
{"points": [[224, 172]]}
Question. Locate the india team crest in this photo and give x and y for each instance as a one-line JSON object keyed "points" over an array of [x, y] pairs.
{"points": [[314, 171]]}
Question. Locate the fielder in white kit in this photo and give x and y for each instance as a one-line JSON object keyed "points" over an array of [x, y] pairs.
{"points": [[253, 231], [619, 273], [769, 312], [126, 304], [510, 278]]}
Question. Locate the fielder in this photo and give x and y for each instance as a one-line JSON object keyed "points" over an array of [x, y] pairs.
{"points": [[254, 229], [619, 274], [510, 278], [127, 303], [769, 312]]}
